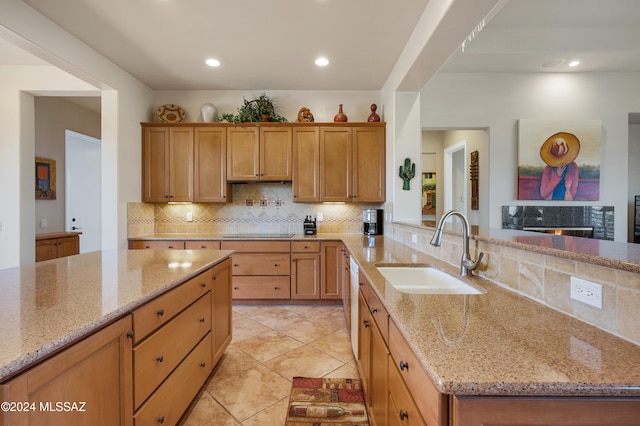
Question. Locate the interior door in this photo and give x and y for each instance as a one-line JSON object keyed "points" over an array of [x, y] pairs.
{"points": [[83, 189]]}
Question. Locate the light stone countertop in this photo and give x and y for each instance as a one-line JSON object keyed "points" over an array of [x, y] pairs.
{"points": [[48, 305], [498, 343]]}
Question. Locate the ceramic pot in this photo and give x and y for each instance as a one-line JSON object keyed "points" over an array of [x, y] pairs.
{"points": [[373, 117], [209, 113], [340, 117]]}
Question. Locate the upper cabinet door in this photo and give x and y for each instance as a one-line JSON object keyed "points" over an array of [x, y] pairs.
{"points": [[243, 154], [368, 164], [275, 153], [210, 170], [336, 160], [167, 164], [306, 164]]}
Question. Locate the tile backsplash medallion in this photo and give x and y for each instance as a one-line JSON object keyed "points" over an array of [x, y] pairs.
{"points": [[256, 208]]}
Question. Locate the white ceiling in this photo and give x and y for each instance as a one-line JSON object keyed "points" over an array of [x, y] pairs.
{"points": [[271, 45]]}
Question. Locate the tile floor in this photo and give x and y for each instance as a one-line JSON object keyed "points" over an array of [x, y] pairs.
{"points": [[272, 344]]}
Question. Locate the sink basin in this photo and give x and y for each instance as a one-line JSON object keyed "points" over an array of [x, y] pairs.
{"points": [[424, 280]]}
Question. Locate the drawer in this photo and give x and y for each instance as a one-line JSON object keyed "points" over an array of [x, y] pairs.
{"points": [[168, 403], [261, 264], [158, 355], [305, 246], [378, 312], [202, 244], [157, 312], [267, 287], [431, 403], [257, 246], [402, 408], [157, 244]]}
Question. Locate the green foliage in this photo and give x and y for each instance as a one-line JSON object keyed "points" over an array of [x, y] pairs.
{"points": [[254, 111]]}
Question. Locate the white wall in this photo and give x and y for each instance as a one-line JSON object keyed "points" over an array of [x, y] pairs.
{"points": [[634, 173], [498, 101]]}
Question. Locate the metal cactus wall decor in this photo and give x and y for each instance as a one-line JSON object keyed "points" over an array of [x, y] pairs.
{"points": [[407, 172]]}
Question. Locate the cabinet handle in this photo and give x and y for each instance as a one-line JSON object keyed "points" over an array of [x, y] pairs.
{"points": [[235, 265], [374, 310], [160, 312], [403, 415], [360, 284], [130, 334], [203, 247], [203, 364], [215, 277], [202, 320], [276, 288], [160, 358], [170, 247], [204, 285], [161, 419], [403, 366], [147, 247], [236, 288], [275, 265], [366, 323]]}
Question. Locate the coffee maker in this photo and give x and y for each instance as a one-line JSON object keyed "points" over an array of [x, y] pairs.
{"points": [[373, 220]]}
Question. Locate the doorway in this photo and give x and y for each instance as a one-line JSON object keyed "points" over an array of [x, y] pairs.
{"points": [[83, 188], [455, 188]]}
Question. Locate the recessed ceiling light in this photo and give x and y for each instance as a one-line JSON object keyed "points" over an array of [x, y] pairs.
{"points": [[553, 63], [322, 62], [574, 63], [212, 62]]}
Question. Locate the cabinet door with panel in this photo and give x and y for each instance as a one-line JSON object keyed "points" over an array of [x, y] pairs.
{"points": [[368, 164], [210, 166], [167, 164], [336, 164], [95, 373], [305, 274], [156, 244], [243, 154], [331, 270], [306, 164], [275, 154], [221, 309]]}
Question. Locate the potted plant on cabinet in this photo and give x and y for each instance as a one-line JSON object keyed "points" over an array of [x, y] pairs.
{"points": [[259, 109]]}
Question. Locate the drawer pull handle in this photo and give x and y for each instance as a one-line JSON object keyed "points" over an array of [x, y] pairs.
{"points": [[161, 419], [147, 247], [215, 277], [170, 247], [276, 288], [160, 358], [160, 312], [276, 265], [403, 366], [366, 323], [236, 288], [306, 247], [374, 310], [360, 284], [130, 334], [202, 320], [203, 285], [203, 364], [235, 265], [403, 415]]}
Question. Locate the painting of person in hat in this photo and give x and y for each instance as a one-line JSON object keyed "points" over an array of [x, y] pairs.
{"points": [[560, 175]]}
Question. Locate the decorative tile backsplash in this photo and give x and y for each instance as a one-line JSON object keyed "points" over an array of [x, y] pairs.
{"points": [[599, 217], [256, 208]]}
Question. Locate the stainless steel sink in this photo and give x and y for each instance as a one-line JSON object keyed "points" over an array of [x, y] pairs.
{"points": [[421, 279]]}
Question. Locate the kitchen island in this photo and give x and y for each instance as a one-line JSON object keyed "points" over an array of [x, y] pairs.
{"points": [[108, 306]]}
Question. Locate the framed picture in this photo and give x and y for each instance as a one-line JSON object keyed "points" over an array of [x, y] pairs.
{"points": [[45, 179], [428, 193], [559, 159]]}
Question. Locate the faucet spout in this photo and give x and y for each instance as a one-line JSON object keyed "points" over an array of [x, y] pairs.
{"points": [[467, 265]]}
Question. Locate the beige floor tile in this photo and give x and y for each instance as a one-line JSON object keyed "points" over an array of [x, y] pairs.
{"points": [[268, 345], [347, 371], [303, 362], [208, 412], [336, 344], [306, 331], [274, 415], [245, 328], [233, 362], [313, 311], [249, 392], [277, 317], [336, 320]]}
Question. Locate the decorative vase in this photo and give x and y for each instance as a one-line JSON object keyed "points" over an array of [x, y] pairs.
{"points": [[373, 117], [209, 113], [340, 117]]}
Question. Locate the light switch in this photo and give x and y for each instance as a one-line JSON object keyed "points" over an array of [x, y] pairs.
{"points": [[43, 223]]}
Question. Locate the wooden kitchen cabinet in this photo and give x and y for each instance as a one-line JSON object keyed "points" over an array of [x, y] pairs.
{"points": [[55, 245], [259, 154], [157, 244], [331, 287], [167, 164], [221, 313], [202, 244], [369, 164], [336, 164], [345, 267], [305, 270], [306, 164], [95, 374], [210, 166]]}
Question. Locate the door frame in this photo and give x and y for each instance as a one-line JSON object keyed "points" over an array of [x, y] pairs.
{"points": [[448, 174]]}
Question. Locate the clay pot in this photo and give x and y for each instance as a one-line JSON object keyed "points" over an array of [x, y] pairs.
{"points": [[340, 117]]}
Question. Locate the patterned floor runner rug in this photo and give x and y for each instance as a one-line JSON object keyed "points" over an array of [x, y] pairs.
{"points": [[326, 402]]}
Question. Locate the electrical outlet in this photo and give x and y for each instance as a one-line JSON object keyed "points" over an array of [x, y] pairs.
{"points": [[414, 238], [319, 217], [189, 216], [586, 292], [43, 223]]}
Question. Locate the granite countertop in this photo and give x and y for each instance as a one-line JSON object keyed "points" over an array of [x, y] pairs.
{"points": [[498, 343], [48, 305]]}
